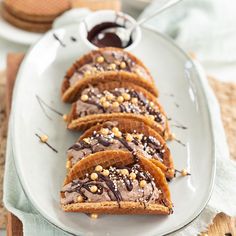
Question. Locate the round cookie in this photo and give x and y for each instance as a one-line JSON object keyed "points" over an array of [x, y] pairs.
{"points": [[25, 25], [36, 11]]}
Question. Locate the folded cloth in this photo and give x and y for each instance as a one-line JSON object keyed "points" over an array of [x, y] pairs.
{"points": [[206, 27], [222, 200]]}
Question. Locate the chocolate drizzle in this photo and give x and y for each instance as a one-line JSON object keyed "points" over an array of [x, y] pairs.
{"points": [[143, 106], [59, 40], [43, 104], [150, 145]]}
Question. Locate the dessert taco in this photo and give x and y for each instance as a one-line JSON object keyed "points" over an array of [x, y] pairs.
{"points": [[102, 103], [104, 65], [127, 136], [116, 183]]}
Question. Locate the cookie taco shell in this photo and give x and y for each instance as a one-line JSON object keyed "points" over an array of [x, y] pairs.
{"points": [[83, 123], [87, 71], [119, 159], [124, 126]]}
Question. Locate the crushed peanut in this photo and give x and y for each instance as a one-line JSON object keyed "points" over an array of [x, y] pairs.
{"points": [[124, 172], [120, 99], [184, 172], [129, 138], [94, 216], [126, 96], [80, 198], [100, 59], [104, 131], [84, 97], [94, 176], [94, 189], [132, 175], [105, 172], [106, 104], [98, 168], [44, 138], [142, 183], [122, 65], [115, 104]]}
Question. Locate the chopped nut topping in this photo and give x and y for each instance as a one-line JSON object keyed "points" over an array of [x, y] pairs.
{"points": [[100, 59], [105, 172], [171, 171], [112, 66], [87, 140], [115, 130], [172, 136], [132, 175], [104, 131], [120, 99], [98, 168], [134, 100], [65, 117], [84, 98], [184, 172], [124, 172], [94, 69], [87, 73], [110, 96], [44, 138], [106, 104], [94, 189], [115, 104], [94, 176], [80, 199], [94, 216], [102, 99], [151, 104], [142, 183], [151, 117], [126, 96], [68, 164], [137, 71], [122, 65], [129, 138], [139, 136], [118, 134]]}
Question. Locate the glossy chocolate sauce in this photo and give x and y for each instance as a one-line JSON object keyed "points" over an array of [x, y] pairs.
{"points": [[105, 39]]}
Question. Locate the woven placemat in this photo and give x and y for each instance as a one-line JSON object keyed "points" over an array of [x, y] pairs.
{"points": [[225, 93], [3, 135]]}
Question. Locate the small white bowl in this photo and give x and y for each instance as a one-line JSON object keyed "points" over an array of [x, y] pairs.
{"points": [[98, 17]]}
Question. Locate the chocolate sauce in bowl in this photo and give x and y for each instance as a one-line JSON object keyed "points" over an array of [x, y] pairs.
{"points": [[105, 39]]}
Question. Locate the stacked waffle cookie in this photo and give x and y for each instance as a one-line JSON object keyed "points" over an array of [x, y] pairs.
{"points": [[121, 163], [30, 15]]}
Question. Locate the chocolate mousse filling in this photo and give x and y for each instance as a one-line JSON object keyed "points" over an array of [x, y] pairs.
{"points": [[111, 138], [130, 183], [108, 60], [119, 100]]}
